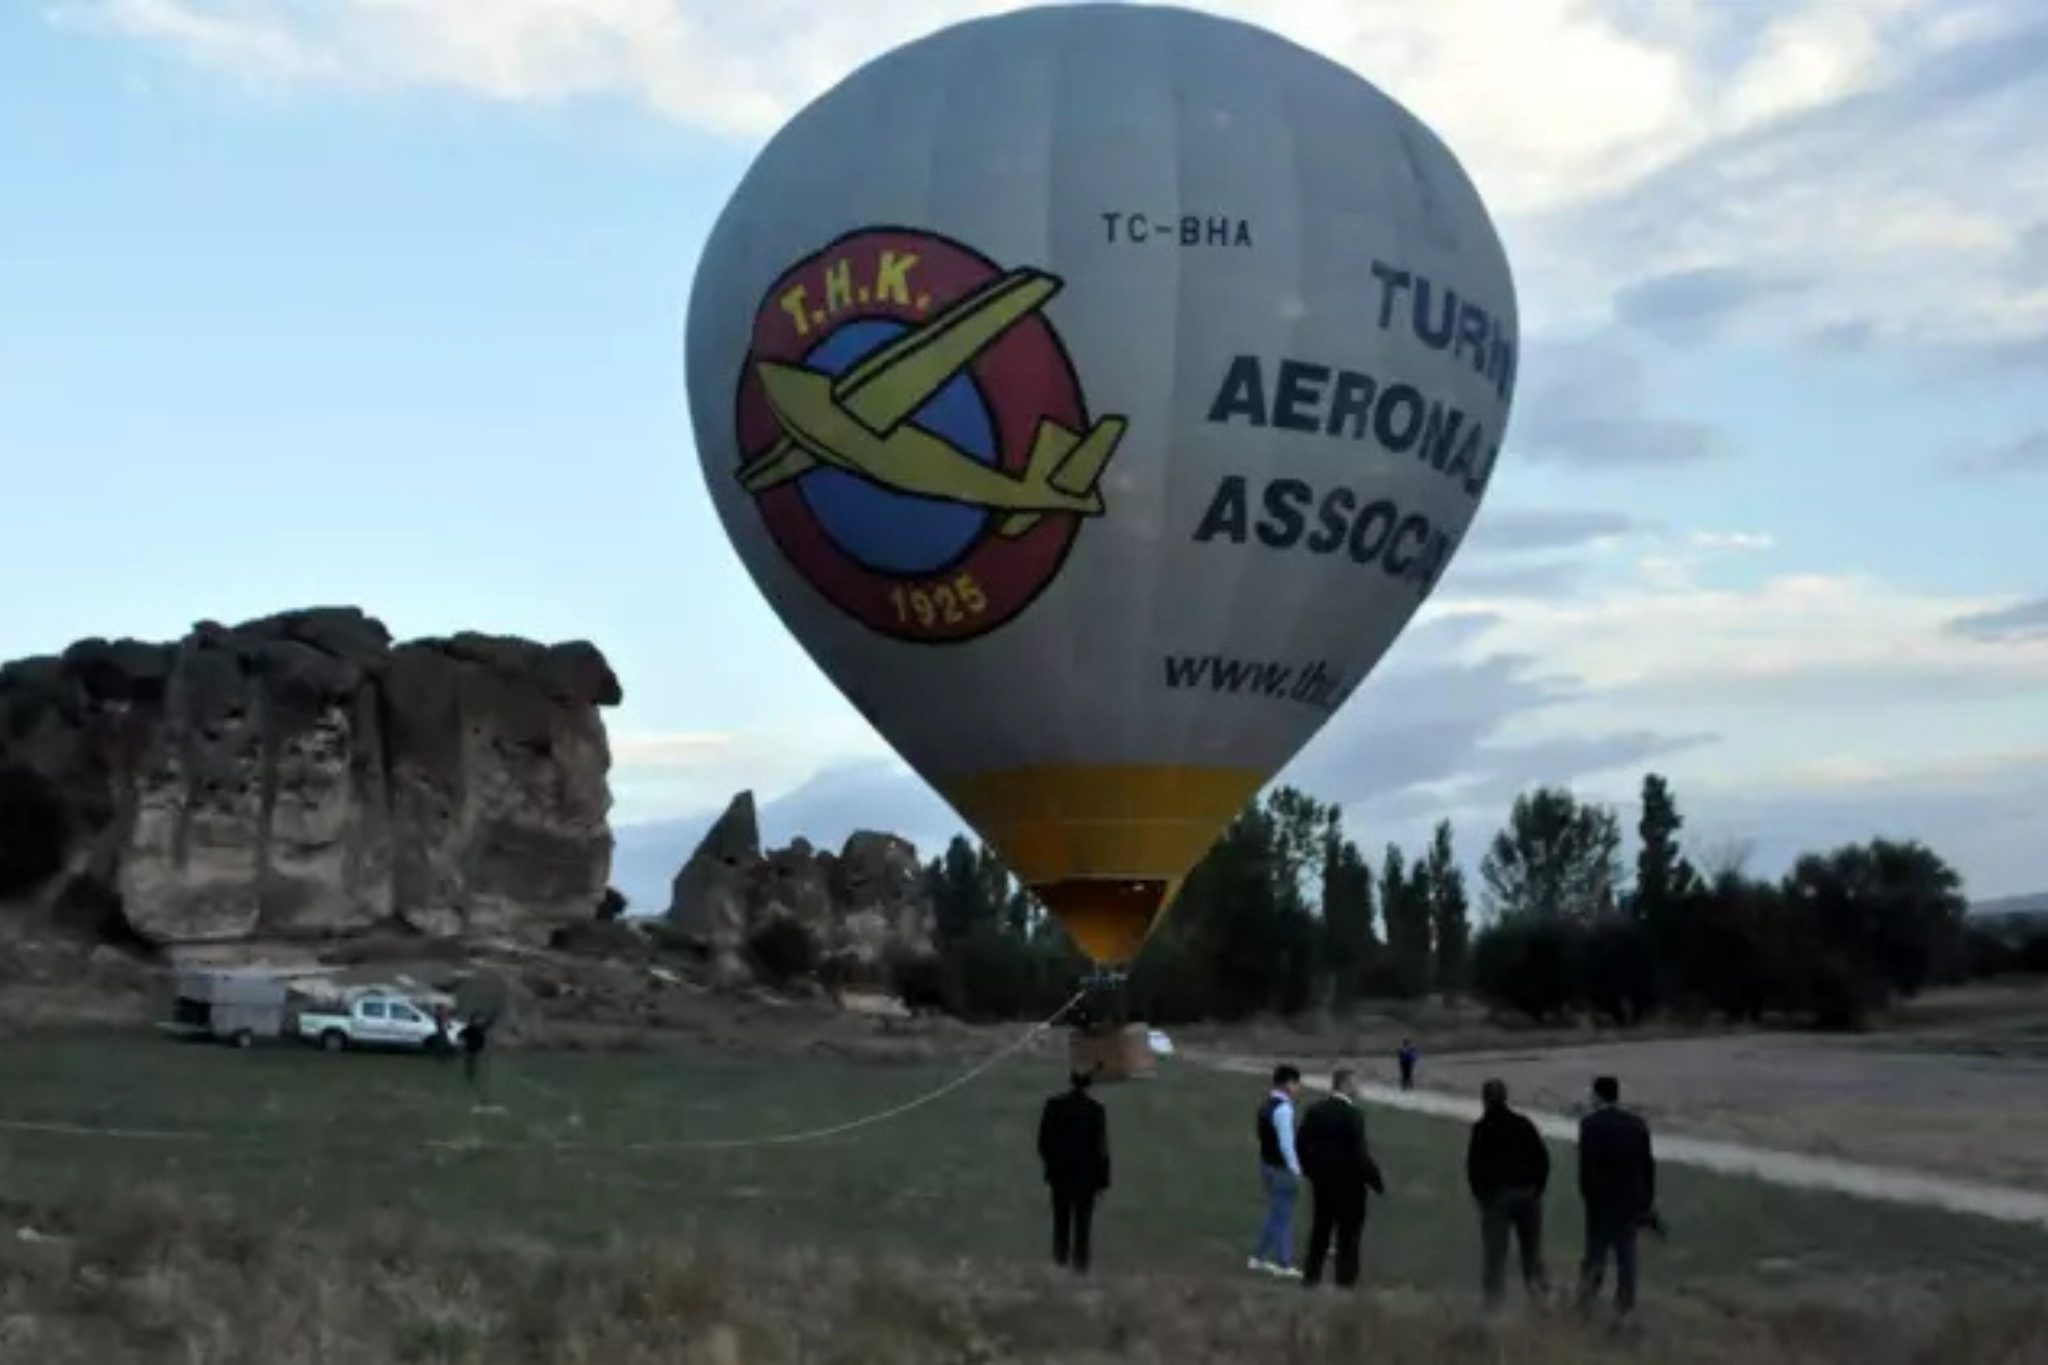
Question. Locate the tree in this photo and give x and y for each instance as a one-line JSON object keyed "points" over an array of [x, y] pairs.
{"points": [[1724, 949], [1349, 944], [1526, 963], [1725, 858], [1405, 903], [999, 954], [1449, 913], [1240, 938], [1893, 911], [1279, 916], [1301, 829], [1238, 877], [1617, 969], [1663, 876], [964, 901], [1021, 917], [1556, 859]]}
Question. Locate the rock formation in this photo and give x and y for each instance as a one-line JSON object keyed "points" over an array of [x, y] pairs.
{"points": [[861, 913], [301, 776]]}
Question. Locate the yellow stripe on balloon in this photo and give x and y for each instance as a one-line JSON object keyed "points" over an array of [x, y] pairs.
{"points": [[1105, 847]]}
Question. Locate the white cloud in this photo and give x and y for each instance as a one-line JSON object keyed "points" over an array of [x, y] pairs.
{"points": [[1587, 404], [1982, 813], [1668, 635], [232, 36], [1896, 205], [1802, 57], [1868, 150], [2023, 455], [683, 750], [1600, 99], [1506, 530], [2023, 622], [655, 773], [1733, 540]]}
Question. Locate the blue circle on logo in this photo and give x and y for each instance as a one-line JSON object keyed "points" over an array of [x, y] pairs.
{"points": [[884, 530]]}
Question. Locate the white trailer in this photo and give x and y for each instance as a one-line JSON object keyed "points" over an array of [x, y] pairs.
{"points": [[236, 1007]]}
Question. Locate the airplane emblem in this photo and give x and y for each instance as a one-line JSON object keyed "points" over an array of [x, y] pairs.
{"points": [[860, 421]]}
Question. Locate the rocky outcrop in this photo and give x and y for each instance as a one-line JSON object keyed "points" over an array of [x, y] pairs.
{"points": [[302, 776], [851, 919]]}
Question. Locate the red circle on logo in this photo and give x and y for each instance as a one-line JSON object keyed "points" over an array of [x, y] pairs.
{"points": [[1024, 377]]}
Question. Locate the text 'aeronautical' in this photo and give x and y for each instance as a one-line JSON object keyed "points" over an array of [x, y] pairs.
{"points": [[1399, 417]]}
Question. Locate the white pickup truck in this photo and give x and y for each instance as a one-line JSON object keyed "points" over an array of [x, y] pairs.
{"points": [[380, 1020]]}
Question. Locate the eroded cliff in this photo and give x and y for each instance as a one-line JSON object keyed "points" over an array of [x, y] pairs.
{"points": [[303, 776], [859, 915]]}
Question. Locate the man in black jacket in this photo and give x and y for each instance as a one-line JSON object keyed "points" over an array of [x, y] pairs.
{"points": [[1340, 1169], [1618, 1184], [1508, 1168], [475, 1034], [1073, 1148]]}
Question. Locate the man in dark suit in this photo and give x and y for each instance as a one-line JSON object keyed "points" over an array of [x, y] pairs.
{"points": [[1507, 1167], [1340, 1169], [1073, 1148], [1618, 1185]]}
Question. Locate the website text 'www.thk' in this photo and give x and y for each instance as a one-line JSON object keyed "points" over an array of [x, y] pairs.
{"points": [[1316, 683]]}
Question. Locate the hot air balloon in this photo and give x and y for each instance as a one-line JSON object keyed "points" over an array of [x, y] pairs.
{"points": [[1096, 391]]}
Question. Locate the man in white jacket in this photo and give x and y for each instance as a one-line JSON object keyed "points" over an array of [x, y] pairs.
{"points": [[1280, 1174]]}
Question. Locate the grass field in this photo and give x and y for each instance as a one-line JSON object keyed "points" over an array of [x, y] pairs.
{"points": [[138, 1280], [289, 1208], [302, 1138]]}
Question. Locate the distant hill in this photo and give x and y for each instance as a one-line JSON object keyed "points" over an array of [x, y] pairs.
{"points": [[646, 857], [2012, 907], [867, 794]]}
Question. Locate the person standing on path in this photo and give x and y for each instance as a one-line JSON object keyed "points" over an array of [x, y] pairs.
{"points": [[443, 1045], [1507, 1167], [1340, 1169], [1073, 1149], [1407, 1058], [1618, 1185], [1279, 1174], [475, 1035]]}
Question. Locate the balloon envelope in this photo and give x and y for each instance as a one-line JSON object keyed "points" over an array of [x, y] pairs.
{"points": [[1096, 391]]}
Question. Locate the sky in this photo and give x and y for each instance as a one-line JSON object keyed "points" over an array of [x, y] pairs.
{"points": [[380, 302]]}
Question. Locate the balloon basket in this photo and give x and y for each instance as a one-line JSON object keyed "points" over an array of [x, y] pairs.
{"points": [[1105, 1042], [1111, 1051]]}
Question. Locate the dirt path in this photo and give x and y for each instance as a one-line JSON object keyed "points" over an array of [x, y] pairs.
{"points": [[2003, 1202]]}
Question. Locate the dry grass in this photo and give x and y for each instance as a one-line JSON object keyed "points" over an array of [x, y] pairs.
{"points": [[1907, 1102], [1439, 1028], [559, 1000], [585, 1146], [2001, 1019], [2004, 1019], [314, 1223], [149, 1279]]}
